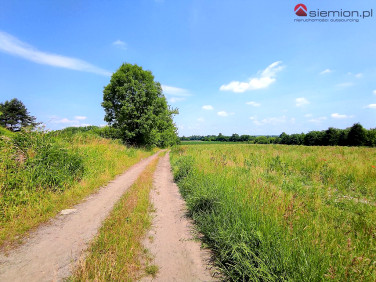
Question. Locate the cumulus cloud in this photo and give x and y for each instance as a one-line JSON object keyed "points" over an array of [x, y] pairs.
{"points": [[120, 44], [13, 46], [176, 99], [300, 102], [271, 120], [175, 91], [263, 80], [374, 92], [254, 104], [80, 117], [69, 122], [339, 116], [317, 120], [326, 71], [208, 107], [224, 114], [371, 106]]}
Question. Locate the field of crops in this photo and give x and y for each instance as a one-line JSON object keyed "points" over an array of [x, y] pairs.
{"points": [[276, 213]]}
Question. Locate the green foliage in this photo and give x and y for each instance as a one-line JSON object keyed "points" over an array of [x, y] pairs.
{"points": [[135, 105], [5, 132], [14, 115], [34, 160], [283, 213], [353, 136], [105, 131]]}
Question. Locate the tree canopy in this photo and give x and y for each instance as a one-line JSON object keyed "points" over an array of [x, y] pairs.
{"points": [[135, 105], [14, 115]]}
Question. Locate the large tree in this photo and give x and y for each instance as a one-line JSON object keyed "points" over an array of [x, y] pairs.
{"points": [[134, 103], [14, 115]]}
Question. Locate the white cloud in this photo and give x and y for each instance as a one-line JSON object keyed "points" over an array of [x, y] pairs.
{"points": [[120, 44], [374, 92], [317, 120], [11, 45], [80, 117], [345, 84], [64, 120], [326, 71], [270, 120], [175, 91], [300, 102], [176, 99], [264, 79], [224, 114], [308, 115], [359, 75], [208, 107], [200, 119], [73, 122], [339, 116], [254, 104], [371, 106]]}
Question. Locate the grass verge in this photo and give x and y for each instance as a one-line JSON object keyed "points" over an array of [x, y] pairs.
{"points": [[116, 253], [41, 174]]}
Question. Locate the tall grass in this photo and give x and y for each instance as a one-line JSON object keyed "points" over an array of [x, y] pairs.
{"points": [[115, 254], [42, 173], [276, 213]]}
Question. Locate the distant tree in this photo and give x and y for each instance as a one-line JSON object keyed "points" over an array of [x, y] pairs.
{"points": [[234, 138], [313, 138], [221, 137], [14, 115], [135, 105], [357, 135], [331, 137], [262, 140], [371, 137], [284, 138], [245, 138]]}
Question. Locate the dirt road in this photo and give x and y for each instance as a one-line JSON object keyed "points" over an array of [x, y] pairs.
{"points": [[51, 251], [176, 253]]}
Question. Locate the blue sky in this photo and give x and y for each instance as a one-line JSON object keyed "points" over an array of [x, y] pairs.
{"points": [[241, 67]]}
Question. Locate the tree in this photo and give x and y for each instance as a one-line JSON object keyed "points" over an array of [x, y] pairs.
{"points": [[14, 115], [134, 104], [357, 135]]}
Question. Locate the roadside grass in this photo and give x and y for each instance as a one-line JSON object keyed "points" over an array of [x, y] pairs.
{"points": [[283, 213], [117, 253], [42, 173]]}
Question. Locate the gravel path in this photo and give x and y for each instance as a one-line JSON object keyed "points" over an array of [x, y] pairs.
{"points": [[51, 251], [176, 252]]}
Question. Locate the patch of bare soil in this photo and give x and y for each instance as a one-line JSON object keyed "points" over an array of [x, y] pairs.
{"points": [[171, 240]]}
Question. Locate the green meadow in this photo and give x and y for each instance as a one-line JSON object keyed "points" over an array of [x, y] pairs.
{"points": [[283, 213]]}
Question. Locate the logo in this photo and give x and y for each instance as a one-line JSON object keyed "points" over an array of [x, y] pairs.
{"points": [[301, 10]]}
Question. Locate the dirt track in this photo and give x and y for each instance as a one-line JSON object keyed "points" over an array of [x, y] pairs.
{"points": [[177, 253], [50, 252]]}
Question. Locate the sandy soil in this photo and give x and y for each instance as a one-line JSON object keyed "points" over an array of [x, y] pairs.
{"points": [[51, 251], [176, 252]]}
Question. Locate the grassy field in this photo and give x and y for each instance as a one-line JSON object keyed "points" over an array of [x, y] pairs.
{"points": [[283, 213], [42, 173], [116, 253]]}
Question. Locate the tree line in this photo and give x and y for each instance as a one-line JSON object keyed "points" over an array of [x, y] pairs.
{"points": [[355, 135]]}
